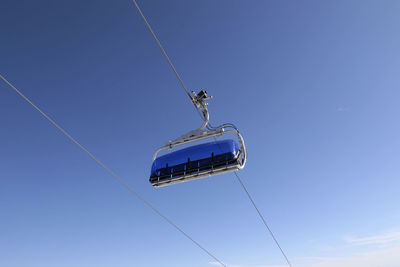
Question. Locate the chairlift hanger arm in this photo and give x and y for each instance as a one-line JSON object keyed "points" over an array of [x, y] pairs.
{"points": [[178, 169], [195, 135]]}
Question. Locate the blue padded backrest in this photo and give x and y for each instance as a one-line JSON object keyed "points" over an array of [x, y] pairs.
{"points": [[195, 153]]}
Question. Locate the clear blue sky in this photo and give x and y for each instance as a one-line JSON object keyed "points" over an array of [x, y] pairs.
{"points": [[314, 87]]}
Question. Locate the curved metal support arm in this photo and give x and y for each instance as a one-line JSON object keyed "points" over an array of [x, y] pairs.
{"points": [[206, 115], [242, 147]]}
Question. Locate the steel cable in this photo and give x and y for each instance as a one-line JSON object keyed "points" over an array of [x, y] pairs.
{"points": [[110, 171], [262, 218]]}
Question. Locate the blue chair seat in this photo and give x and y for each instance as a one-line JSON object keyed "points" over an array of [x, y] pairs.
{"points": [[194, 159]]}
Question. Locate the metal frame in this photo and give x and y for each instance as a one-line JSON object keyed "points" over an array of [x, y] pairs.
{"points": [[200, 101]]}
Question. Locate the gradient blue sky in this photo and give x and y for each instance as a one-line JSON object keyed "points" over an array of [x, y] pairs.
{"points": [[312, 85]]}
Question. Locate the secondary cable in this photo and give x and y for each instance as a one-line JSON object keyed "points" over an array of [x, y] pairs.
{"points": [[121, 181], [262, 218], [259, 213]]}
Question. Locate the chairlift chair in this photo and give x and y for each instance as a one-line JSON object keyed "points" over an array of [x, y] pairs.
{"points": [[199, 161]]}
